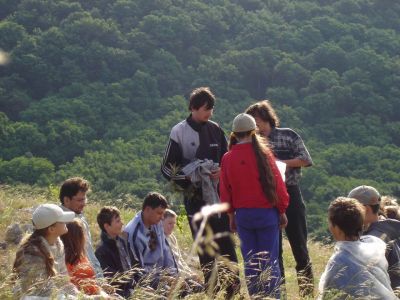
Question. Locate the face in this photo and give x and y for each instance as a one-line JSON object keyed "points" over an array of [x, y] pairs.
{"points": [[153, 215], [202, 114], [77, 203], [370, 217], [58, 229], [169, 225], [262, 126], [115, 228]]}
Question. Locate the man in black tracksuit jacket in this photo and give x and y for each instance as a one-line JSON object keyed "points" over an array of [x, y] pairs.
{"points": [[199, 138]]}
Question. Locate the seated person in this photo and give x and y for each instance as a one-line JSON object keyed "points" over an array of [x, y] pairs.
{"points": [[147, 239], [193, 282], [39, 265], [388, 230], [81, 272], [114, 253], [358, 267]]}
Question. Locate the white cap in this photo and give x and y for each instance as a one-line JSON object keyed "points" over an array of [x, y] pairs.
{"points": [[243, 122], [49, 214]]}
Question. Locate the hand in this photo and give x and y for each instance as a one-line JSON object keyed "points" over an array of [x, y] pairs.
{"points": [[283, 221], [215, 174]]}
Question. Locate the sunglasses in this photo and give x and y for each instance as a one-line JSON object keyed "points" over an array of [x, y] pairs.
{"points": [[153, 240]]}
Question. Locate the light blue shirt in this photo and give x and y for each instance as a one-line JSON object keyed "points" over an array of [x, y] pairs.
{"points": [[139, 236]]}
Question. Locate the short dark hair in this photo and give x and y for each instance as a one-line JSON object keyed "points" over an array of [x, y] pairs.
{"points": [[73, 186], [154, 200], [348, 214], [200, 96], [106, 215], [264, 111]]}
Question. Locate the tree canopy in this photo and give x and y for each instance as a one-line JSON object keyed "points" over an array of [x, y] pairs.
{"points": [[93, 87]]}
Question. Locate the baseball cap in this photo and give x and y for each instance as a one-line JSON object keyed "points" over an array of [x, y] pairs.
{"points": [[366, 195], [48, 214], [243, 122]]}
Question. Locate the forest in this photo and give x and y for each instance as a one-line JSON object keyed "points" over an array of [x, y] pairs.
{"points": [[93, 87]]}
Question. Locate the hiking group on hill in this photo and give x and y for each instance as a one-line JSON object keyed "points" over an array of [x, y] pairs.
{"points": [[58, 259]]}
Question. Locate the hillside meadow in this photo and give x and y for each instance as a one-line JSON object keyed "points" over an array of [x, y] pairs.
{"points": [[16, 203]]}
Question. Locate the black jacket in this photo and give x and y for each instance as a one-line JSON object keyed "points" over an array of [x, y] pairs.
{"points": [[108, 255]]}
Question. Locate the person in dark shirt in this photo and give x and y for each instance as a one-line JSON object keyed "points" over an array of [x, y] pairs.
{"points": [[289, 148], [387, 230], [114, 253], [197, 138]]}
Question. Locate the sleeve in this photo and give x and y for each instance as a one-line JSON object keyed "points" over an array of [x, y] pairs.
{"points": [[299, 149], [225, 190], [172, 162], [83, 276], [32, 275], [108, 270], [281, 192]]}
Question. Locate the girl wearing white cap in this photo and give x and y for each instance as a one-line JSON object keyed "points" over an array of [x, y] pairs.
{"points": [[39, 264], [252, 184]]}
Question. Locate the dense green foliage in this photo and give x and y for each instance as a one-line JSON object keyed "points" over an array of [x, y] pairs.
{"points": [[94, 86]]}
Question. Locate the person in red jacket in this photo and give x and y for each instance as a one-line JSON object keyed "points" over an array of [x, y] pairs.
{"points": [[252, 184]]}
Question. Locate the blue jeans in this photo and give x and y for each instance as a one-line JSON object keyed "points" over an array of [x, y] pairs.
{"points": [[258, 230]]}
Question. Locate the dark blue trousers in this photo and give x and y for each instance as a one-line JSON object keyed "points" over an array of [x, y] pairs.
{"points": [[258, 230]]}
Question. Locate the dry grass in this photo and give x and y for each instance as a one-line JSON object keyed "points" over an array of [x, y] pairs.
{"points": [[16, 204]]}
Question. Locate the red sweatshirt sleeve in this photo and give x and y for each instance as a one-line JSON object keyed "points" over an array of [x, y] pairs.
{"points": [[225, 191], [281, 192]]}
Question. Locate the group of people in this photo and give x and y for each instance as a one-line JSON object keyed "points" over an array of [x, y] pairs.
{"points": [[366, 260], [58, 259], [263, 200]]}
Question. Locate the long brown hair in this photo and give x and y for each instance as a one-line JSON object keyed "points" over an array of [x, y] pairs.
{"points": [[74, 242], [261, 151], [33, 245]]}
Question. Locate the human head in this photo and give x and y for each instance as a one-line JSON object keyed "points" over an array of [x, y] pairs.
{"points": [[263, 111], [109, 220], [370, 197], [74, 242], [201, 104], [73, 194], [169, 221], [201, 96], [347, 215], [154, 206], [392, 212], [243, 123]]}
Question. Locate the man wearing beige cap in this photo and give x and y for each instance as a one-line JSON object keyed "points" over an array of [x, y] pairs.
{"points": [[387, 230]]}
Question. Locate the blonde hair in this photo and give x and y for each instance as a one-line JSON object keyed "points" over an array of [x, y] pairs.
{"points": [[169, 213]]}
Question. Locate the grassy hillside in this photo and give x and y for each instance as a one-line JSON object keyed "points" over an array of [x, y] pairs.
{"points": [[16, 204]]}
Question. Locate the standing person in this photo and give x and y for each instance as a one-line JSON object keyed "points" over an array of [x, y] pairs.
{"points": [[193, 140], [289, 148], [73, 198], [387, 230], [39, 263], [357, 269], [114, 252], [252, 184]]}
